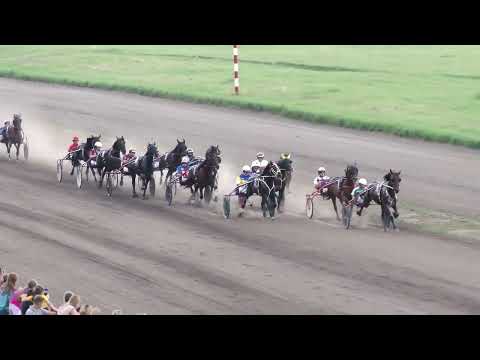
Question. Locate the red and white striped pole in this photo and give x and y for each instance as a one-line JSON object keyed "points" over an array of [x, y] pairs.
{"points": [[236, 81]]}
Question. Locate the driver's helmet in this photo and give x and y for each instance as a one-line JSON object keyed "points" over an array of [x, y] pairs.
{"points": [[246, 169], [362, 182], [321, 171], [190, 152], [75, 138], [285, 156], [98, 145], [7, 123], [132, 151], [260, 155], [185, 160]]}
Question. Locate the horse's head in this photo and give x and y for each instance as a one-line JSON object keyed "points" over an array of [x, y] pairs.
{"points": [[351, 172], [393, 178], [17, 121], [92, 140], [213, 154], [152, 150], [272, 169], [119, 145], [181, 148]]}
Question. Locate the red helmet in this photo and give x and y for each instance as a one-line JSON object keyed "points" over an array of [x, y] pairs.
{"points": [[75, 138]]}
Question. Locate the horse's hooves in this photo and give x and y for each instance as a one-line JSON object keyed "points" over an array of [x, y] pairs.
{"points": [[135, 195], [396, 215]]}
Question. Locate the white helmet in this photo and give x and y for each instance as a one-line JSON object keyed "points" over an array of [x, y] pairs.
{"points": [[98, 144], [246, 168], [189, 151], [132, 150], [185, 160], [321, 169], [260, 154], [363, 181]]}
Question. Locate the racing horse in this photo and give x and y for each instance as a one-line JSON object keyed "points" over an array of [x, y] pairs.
{"points": [[265, 185], [205, 175], [15, 135], [341, 187], [83, 154], [143, 167], [286, 169], [171, 160], [109, 160], [385, 195]]}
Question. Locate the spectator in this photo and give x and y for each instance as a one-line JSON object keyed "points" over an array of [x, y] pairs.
{"points": [[36, 308], [67, 295], [89, 310], [6, 293], [28, 300], [71, 307], [16, 301]]}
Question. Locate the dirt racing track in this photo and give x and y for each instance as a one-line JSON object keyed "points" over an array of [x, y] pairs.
{"points": [[143, 256]]}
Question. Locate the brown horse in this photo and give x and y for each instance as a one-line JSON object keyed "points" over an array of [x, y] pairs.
{"points": [[15, 135], [341, 188]]}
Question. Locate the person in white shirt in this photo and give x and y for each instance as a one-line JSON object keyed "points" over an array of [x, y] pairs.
{"points": [[71, 307], [260, 164], [321, 178]]}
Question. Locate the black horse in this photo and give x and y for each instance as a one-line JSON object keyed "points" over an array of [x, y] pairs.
{"points": [[15, 135], [83, 154], [286, 168], [143, 167], [205, 175], [342, 187], [265, 185], [384, 194], [171, 160], [109, 160]]}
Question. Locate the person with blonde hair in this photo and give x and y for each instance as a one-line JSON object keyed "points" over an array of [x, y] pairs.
{"points": [[89, 310], [71, 307], [36, 308], [6, 293]]}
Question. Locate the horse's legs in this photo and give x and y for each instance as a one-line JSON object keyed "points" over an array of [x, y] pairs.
{"points": [[134, 178], [264, 205], [242, 201], [281, 198], [146, 180], [169, 175], [334, 202], [8, 149], [17, 146], [93, 173], [394, 207], [102, 175]]}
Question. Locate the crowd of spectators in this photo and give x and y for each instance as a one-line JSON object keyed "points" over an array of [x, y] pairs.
{"points": [[34, 299]]}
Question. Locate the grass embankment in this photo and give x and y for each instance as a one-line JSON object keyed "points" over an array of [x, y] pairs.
{"points": [[428, 92]]}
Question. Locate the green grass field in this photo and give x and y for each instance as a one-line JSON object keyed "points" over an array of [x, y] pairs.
{"points": [[430, 92]]}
